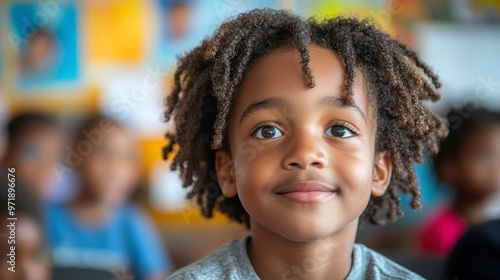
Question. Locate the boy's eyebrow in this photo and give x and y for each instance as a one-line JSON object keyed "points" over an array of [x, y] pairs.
{"points": [[339, 102], [273, 102], [276, 102]]}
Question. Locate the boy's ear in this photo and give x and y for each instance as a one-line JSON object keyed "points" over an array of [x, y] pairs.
{"points": [[225, 173], [382, 171]]}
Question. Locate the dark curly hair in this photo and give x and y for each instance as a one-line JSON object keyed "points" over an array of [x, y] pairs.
{"points": [[208, 77]]}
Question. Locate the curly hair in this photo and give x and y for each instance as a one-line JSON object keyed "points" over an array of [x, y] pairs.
{"points": [[207, 79]]}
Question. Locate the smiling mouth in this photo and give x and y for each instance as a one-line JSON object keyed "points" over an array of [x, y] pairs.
{"points": [[306, 191]]}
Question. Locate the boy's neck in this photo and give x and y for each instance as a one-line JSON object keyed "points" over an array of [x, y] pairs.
{"points": [[276, 257]]}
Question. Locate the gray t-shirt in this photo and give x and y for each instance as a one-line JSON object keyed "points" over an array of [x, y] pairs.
{"points": [[231, 262]]}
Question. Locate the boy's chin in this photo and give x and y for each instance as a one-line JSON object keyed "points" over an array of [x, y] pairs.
{"points": [[310, 234], [315, 230]]}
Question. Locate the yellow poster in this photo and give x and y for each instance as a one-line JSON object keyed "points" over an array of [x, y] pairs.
{"points": [[114, 30]]}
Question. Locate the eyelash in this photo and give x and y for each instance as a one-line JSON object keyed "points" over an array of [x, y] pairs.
{"points": [[347, 125], [261, 126]]}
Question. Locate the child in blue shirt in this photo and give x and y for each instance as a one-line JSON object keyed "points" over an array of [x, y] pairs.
{"points": [[99, 229], [300, 129]]}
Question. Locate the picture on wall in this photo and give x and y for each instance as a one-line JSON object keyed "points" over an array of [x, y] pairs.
{"points": [[44, 42]]}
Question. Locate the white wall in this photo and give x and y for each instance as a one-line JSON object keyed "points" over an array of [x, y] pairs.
{"points": [[467, 59]]}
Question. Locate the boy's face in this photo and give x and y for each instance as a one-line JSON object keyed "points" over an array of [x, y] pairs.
{"points": [[111, 170], [302, 162], [477, 170], [33, 154]]}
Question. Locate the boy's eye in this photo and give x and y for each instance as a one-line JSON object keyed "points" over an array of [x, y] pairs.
{"points": [[339, 131], [267, 132]]}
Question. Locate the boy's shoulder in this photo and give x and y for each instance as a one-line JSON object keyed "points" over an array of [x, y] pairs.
{"points": [[368, 264], [229, 261]]}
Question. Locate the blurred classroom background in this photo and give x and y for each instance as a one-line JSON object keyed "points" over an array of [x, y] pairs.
{"points": [[74, 59]]}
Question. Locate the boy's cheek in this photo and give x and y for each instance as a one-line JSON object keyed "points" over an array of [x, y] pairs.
{"points": [[256, 175]]}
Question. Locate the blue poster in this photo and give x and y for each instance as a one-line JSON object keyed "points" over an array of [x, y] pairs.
{"points": [[45, 43]]}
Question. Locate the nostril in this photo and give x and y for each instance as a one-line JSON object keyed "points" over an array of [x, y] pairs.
{"points": [[303, 163]]}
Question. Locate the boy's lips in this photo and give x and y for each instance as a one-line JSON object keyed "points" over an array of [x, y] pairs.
{"points": [[306, 191]]}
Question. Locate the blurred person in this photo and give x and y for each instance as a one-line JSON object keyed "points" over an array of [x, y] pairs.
{"points": [[23, 251], [469, 163], [476, 254], [99, 228], [34, 144]]}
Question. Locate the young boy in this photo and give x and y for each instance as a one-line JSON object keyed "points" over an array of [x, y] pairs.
{"points": [[300, 129], [99, 228], [468, 163]]}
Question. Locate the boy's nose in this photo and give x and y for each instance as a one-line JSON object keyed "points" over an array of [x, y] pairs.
{"points": [[304, 154]]}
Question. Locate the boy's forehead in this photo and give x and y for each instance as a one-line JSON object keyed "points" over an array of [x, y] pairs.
{"points": [[280, 73]]}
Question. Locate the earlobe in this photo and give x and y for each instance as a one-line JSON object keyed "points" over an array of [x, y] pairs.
{"points": [[225, 173], [382, 171]]}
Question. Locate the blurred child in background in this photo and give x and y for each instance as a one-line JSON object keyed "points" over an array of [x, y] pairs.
{"points": [[99, 228], [34, 144], [469, 163], [23, 252]]}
